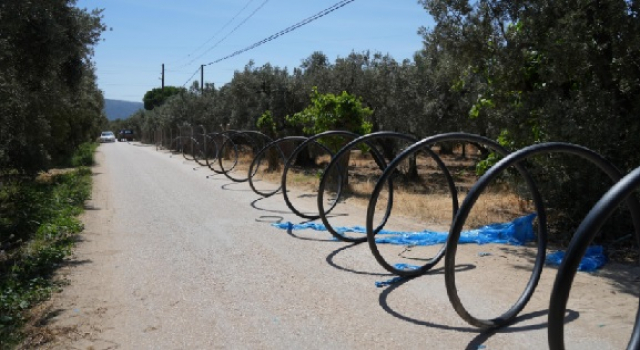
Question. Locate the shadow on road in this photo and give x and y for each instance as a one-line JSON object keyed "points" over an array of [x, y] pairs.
{"points": [[254, 205], [484, 335], [384, 296], [482, 338], [290, 233], [228, 187], [331, 261]]}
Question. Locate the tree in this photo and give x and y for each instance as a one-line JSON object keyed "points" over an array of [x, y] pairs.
{"points": [[334, 112], [48, 96], [158, 96], [267, 126], [541, 70]]}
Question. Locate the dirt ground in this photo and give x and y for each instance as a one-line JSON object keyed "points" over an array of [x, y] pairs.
{"points": [[171, 259]]}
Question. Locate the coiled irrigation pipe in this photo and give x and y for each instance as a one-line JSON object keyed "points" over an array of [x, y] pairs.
{"points": [[515, 159], [623, 191], [199, 146], [188, 141], [255, 140], [216, 144], [316, 139], [389, 171], [334, 166], [260, 156], [211, 148]]}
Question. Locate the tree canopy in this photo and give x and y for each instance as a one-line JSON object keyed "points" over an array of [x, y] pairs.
{"points": [[158, 96], [333, 112], [49, 100]]}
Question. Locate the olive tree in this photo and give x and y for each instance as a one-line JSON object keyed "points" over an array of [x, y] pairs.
{"points": [[334, 112]]}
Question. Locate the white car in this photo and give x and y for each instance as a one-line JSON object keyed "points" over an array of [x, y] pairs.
{"points": [[107, 136]]}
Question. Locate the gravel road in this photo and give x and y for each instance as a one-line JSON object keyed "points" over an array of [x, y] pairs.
{"points": [[171, 259]]}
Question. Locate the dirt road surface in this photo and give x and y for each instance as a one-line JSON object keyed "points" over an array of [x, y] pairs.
{"points": [[172, 260]]}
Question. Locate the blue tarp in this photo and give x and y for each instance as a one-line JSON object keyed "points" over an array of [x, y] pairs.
{"points": [[389, 282], [516, 232], [593, 259]]}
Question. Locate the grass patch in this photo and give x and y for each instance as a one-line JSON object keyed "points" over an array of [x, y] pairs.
{"points": [[38, 223], [83, 156]]}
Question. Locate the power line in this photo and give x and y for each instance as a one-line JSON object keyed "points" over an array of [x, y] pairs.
{"points": [[192, 75], [215, 35], [304, 22], [289, 29], [232, 31]]}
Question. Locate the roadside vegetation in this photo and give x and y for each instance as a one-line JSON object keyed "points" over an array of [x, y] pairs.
{"points": [[50, 116], [38, 220], [49, 99]]}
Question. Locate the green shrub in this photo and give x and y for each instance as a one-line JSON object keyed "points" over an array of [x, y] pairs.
{"points": [[83, 156], [37, 232]]}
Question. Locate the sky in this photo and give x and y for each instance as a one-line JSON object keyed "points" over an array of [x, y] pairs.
{"points": [[183, 35]]}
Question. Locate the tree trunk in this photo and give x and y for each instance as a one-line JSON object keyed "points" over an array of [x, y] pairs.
{"points": [[272, 160], [340, 173], [446, 148], [412, 173]]}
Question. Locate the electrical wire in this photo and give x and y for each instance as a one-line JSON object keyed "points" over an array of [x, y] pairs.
{"points": [[193, 75], [232, 31], [272, 37], [289, 29], [214, 35]]}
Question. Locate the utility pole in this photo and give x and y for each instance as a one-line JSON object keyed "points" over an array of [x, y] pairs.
{"points": [[163, 77], [202, 79]]}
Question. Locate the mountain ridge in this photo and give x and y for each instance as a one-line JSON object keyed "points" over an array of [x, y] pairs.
{"points": [[119, 109]]}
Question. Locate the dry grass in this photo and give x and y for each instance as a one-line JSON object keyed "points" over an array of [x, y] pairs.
{"points": [[436, 208], [412, 202], [39, 333], [46, 177]]}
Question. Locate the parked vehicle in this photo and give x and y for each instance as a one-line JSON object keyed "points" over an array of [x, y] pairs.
{"points": [[107, 136], [125, 135]]}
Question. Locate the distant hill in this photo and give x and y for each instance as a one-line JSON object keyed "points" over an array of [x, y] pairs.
{"points": [[117, 109]]}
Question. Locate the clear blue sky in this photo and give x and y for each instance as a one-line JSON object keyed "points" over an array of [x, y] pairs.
{"points": [[185, 34]]}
